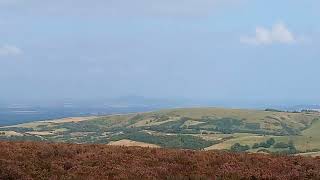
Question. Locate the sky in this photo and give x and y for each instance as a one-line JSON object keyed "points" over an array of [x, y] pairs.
{"points": [[224, 50]]}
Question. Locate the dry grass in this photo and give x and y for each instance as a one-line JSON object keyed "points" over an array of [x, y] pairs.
{"points": [[311, 154], [71, 119], [42, 133], [245, 139], [126, 142], [52, 122], [10, 133]]}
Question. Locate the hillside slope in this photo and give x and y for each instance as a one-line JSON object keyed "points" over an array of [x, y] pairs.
{"points": [[70, 161], [194, 128]]}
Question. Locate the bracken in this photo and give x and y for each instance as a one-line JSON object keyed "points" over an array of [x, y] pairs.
{"points": [[31, 160]]}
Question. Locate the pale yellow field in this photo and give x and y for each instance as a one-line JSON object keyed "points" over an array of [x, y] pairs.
{"points": [[71, 119], [126, 142], [311, 154], [243, 139], [10, 133], [80, 134], [42, 133], [147, 122], [191, 123], [50, 122]]}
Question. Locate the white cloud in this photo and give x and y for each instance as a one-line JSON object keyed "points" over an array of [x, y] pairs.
{"points": [[7, 50], [279, 33]]}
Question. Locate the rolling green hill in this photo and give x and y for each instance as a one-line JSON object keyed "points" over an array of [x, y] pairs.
{"points": [[194, 128]]}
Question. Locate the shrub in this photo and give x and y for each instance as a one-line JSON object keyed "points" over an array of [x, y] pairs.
{"points": [[273, 110], [266, 144], [237, 147], [270, 142], [255, 146]]}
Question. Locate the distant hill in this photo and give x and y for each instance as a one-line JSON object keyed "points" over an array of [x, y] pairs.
{"points": [[189, 128], [70, 161], [17, 113]]}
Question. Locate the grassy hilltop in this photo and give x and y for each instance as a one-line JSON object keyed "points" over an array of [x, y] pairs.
{"points": [[194, 128]]}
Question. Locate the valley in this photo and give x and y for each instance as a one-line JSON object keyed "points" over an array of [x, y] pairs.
{"points": [[238, 130]]}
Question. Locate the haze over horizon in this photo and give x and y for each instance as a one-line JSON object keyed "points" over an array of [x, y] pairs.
{"points": [[229, 51]]}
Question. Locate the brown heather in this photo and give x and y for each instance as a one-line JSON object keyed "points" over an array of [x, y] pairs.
{"points": [[28, 160]]}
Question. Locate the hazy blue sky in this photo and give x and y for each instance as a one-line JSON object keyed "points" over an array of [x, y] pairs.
{"points": [[233, 50]]}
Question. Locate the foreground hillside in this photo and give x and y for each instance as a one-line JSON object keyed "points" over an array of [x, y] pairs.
{"points": [[195, 128], [70, 161]]}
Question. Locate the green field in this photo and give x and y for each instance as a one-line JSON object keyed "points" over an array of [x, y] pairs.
{"points": [[193, 128]]}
